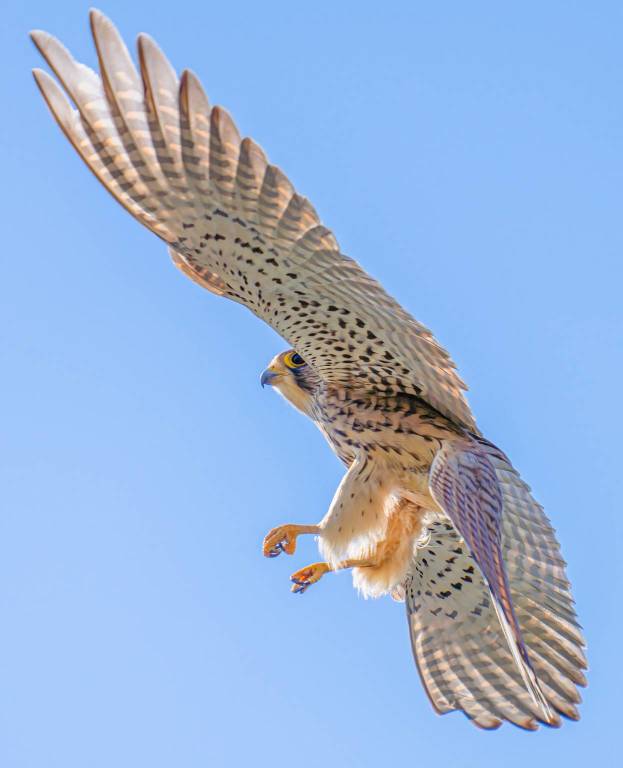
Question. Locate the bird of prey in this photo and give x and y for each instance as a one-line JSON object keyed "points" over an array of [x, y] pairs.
{"points": [[429, 511]]}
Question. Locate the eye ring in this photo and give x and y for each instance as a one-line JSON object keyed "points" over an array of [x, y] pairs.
{"points": [[293, 360]]}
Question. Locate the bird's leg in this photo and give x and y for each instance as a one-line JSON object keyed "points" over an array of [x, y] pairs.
{"points": [[309, 575], [283, 539]]}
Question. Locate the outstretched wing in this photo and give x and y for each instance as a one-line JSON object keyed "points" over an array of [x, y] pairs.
{"points": [[234, 223], [462, 650]]}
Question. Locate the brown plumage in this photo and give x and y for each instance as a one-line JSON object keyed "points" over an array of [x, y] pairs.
{"points": [[428, 510]]}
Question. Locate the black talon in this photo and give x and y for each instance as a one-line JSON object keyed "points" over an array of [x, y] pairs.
{"points": [[276, 550], [301, 585]]}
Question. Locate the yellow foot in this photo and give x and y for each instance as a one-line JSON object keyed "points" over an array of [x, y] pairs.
{"points": [[280, 539], [308, 576]]}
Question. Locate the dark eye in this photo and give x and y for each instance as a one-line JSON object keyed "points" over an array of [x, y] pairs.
{"points": [[294, 360]]}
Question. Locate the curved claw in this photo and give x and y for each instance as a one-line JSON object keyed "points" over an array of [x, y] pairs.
{"points": [[276, 550], [280, 539], [300, 586], [304, 578]]}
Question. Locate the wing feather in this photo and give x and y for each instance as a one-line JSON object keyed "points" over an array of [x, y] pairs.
{"points": [[464, 484], [458, 643], [234, 223]]}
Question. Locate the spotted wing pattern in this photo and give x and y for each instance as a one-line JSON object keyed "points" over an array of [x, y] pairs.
{"points": [[461, 649], [233, 222]]}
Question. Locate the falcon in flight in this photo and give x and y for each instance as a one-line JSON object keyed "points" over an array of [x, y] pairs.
{"points": [[429, 511]]}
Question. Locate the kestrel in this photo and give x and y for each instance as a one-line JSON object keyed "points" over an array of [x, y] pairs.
{"points": [[428, 511]]}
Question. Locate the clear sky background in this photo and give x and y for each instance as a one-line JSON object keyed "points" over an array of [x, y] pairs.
{"points": [[470, 155]]}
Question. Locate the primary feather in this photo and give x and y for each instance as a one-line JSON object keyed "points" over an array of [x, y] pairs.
{"points": [[234, 222]]}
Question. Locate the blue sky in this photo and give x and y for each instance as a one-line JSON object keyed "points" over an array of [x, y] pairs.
{"points": [[470, 155]]}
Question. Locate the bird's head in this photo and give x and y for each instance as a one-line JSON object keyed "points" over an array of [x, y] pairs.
{"points": [[290, 375]]}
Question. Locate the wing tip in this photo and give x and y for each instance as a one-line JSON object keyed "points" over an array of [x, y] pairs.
{"points": [[42, 80], [99, 22], [96, 15], [39, 38], [532, 723], [146, 46], [39, 74], [485, 724], [52, 95]]}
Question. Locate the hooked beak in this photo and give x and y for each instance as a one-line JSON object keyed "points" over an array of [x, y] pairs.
{"points": [[267, 377]]}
